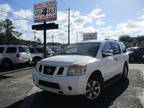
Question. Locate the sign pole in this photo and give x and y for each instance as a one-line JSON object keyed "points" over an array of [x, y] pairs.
{"points": [[44, 32], [46, 11]]}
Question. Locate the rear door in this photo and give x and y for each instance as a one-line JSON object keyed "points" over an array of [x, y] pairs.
{"points": [[11, 53], [117, 57]]}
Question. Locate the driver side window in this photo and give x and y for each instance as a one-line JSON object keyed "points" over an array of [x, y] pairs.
{"points": [[107, 50]]}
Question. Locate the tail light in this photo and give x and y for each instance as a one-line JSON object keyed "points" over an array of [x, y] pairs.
{"points": [[17, 55]]}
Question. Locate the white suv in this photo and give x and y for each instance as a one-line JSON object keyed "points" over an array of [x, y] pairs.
{"points": [[82, 68], [14, 54]]}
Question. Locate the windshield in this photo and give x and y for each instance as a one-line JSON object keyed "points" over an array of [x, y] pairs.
{"points": [[89, 49]]}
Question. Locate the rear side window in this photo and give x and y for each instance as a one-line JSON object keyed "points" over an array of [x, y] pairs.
{"points": [[21, 49], [123, 47], [116, 48], [32, 50], [11, 50], [40, 50], [1, 49]]}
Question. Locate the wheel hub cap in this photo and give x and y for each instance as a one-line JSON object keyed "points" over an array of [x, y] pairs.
{"points": [[93, 89]]}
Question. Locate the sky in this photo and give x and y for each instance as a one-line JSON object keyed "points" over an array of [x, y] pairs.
{"points": [[109, 18]]}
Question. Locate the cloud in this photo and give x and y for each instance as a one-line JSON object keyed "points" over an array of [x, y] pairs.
{"points": [[96, 14], [79, 23], [26, 14], [94, 21], [22, 19], [4, 9], [22, 25], [130, 27]]}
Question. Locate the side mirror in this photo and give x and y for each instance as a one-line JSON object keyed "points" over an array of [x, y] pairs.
{"points": [[107, 53]]}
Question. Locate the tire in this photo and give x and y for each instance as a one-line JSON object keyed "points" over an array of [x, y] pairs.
{"points": [[36, 59], [6, 63], [94, 89], [125, 72]]}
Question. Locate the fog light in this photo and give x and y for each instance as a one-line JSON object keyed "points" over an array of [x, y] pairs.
{"points": [[70, 88]]}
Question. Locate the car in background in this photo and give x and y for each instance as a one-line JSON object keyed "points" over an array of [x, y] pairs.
{"points": [[37, 53], [36, 56], [14, 54], [135, 53], [48, 50]]}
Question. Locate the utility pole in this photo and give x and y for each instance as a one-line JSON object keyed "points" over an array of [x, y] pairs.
{"points": [[68, 26], [44, 32], [77, 36], [52, 39], [34, 36]]}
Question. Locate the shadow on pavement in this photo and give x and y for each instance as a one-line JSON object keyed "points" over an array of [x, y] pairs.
{"points": [[47, 100], [141, 61], [15, 67], [4, 77]]}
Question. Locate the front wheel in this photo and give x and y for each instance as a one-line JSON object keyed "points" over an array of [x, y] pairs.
{"points": [[94, 89]]}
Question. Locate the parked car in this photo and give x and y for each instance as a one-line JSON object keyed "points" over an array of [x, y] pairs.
{"points": [[36, 56], [83, 68], [49, 51], [14, 54], [135, 53], [37, 53]]}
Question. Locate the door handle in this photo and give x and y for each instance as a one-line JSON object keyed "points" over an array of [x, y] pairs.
{"points": [[115, 59]]}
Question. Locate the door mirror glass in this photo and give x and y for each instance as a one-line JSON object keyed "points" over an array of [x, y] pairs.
{"points": [[107, 53]]}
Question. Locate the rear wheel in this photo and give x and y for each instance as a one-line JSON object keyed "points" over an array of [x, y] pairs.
{"points": [[94, 88], [125, 72], [6, 63]]}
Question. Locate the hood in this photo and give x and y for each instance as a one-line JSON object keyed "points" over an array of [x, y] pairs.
{"points": [[66, 60]]}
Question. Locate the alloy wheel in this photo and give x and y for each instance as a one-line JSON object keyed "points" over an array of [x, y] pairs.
{"points": [[93, 89]]}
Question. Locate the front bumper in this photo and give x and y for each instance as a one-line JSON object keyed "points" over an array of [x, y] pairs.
{"points": [[66, 85]]}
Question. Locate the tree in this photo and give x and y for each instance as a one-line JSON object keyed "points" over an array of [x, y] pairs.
{"points": [[128, 40], [8, 33], [9, 27]]}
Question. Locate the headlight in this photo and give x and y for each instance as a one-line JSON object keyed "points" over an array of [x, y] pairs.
{"points": [[76, 70]]}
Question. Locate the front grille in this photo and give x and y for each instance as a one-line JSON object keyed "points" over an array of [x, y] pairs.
{"points": [[49, 84], [49, 70], [60, 71], [40, 68]]}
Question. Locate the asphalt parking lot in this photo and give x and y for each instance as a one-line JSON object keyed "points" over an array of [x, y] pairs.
{"points": [[18, 91]]}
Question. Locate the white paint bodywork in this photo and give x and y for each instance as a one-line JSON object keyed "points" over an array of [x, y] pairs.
{"points": [[107, 66]]}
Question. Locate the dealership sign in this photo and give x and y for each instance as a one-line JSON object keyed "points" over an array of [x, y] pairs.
{"points": [[89, 36], [46, 11]]}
